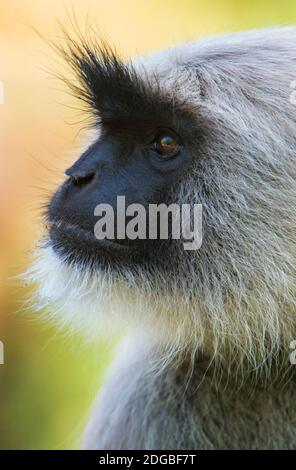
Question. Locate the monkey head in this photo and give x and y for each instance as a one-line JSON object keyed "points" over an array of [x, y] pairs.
{"points": [[205, 123]]}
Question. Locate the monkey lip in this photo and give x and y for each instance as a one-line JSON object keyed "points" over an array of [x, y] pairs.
{"points": [[74, 237]]}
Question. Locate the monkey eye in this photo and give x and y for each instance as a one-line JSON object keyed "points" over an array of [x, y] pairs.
{"points": [[166, 145]]}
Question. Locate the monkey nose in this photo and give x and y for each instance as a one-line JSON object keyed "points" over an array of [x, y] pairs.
{"points": [[79, 177]]}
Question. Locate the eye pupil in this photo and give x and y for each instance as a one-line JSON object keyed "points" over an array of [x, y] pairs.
{"points": [[166, 145]]}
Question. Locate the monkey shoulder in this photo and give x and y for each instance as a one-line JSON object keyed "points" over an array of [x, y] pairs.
{"points": [[142, 406]]}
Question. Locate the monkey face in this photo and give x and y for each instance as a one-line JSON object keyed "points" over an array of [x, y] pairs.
{"points": [[144, 149], [143, 167]]}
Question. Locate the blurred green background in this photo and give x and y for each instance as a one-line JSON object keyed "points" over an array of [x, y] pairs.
{"points": [[48, 380]]}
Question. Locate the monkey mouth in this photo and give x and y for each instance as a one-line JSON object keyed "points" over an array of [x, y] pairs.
{"points": [[76, 243], [69, 230]]}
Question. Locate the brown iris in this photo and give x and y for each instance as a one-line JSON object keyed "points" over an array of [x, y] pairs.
{"points": [[166, 145]]}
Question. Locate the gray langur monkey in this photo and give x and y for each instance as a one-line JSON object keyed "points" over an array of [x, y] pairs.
{"points": [[205, 364]]}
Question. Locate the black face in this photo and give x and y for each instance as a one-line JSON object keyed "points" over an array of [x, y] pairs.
{"points": [[144, 170], [142, 154]]}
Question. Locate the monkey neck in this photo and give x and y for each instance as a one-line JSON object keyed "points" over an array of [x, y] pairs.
{"points": [[276, 374]]}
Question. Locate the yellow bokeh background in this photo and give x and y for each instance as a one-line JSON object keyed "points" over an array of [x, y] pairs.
{"points": [[48, 380]]}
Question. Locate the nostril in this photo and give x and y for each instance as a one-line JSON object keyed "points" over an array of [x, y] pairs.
{"points": [[81, 180]]}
